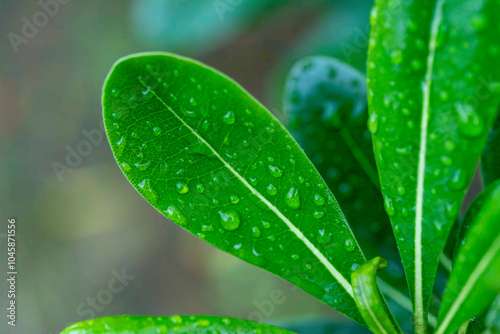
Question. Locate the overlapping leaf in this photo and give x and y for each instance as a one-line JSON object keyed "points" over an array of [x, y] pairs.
{"points": [[208, 156], [325, 101], [427, 61], [370, 302], [474, 282], [174, 324]]}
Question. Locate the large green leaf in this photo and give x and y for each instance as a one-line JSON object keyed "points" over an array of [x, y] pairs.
{"points": [[211, 158], [198, 324], [427, 62], [474, 282], [370, 301], [490, 160], [325, 101]]}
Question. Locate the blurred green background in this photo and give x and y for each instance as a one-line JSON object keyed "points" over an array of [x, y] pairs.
{"points": [[79, 222]]}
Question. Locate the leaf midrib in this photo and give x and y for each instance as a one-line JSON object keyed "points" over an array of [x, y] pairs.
{"points": [[471, 281], [426, 90], [337, 275]]}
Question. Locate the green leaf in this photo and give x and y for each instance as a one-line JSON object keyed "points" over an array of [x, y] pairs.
{"points": [[474, 282], [194, 324], [493, 317], [370, 302], [490, 160], [325, 101], [427, 62], [211, 158]]}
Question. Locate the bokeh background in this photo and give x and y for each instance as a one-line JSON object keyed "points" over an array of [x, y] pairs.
{"points": [[79, 222]]}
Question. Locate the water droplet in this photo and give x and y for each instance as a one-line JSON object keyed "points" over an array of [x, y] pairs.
{"points": [[295, 256], [446, 160], [147, 191], [396, 56], [292, 198], [175, 215], [318, 214], [275, 171], [200, 188], [324, 237], [373, 123], [449, 145], [349, 245], [266, 224], [389, 206], [234, 199], [207, 228], [143, 167], [256, 232], [458, 181], [416, 64], [192, 101], [471, 124], [229, 219], [319, 200], [229, 118], [401, 190], [271, 190], [182, 187], [156, 131], [125, 166], [479, 22]]}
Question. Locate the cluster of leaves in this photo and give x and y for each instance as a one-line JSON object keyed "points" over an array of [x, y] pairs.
{"points": [[399, 151]]}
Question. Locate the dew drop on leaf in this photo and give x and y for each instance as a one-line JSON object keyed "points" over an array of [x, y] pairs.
{"points": [[373, 123], [147, 191], [295, 256], [200, 188], [458, 180], [125, 166], [324, 237], [229, 219], [389, 206], [229, 118], [292, 198], [319, 200], [175, 215], [275, 171], [182, 187], [470, 123], [143, 167], [318, 214], [349, 245], [256, 232], [271, 190], [234, 199]]}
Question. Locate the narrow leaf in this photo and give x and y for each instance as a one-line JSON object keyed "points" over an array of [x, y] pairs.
{"points": [[211, 158], [490, 160], [492, 320], [325, 101], [370, 302], [194, 324], [427, 62], [474, 282]]}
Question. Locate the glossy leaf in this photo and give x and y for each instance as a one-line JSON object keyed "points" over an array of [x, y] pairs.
{"points": [[325, 101], [474, 282], [427, 61], [370, 302], [492, 320], [175, 324], [211, 158], [490, 161]]}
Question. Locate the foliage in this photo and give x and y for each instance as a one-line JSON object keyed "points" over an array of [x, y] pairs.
{"points": [[212, 159]]}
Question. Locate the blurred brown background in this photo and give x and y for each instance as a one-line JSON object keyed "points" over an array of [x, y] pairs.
{"points": [[79, 223]]}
